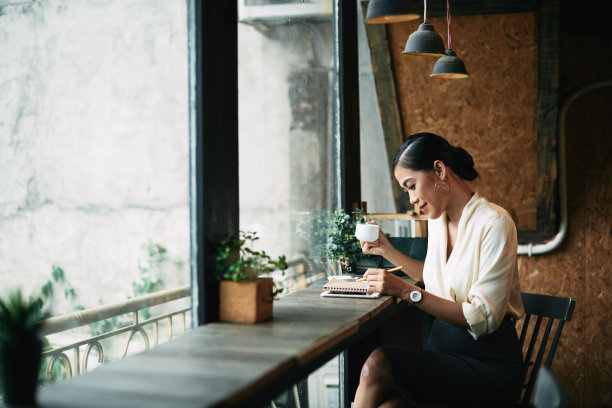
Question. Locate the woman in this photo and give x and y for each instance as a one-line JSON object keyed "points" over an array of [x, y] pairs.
{"points": [[472, 356]]}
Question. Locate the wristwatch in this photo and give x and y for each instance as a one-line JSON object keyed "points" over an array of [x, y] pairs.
{"points": [[416, 296]]}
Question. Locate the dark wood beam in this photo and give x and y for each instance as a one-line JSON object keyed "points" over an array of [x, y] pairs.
{"points": [[213, 41], [390, 116], [347, 110], [467, 7]]}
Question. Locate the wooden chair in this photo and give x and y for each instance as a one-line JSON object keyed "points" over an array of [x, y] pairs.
{"points": [[554, 309], [548, 391]]}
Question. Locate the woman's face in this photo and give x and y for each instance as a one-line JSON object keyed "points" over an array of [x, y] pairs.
{"points": [[419, 185]]}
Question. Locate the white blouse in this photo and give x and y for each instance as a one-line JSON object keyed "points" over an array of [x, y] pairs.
{"points": [[482, 271]]}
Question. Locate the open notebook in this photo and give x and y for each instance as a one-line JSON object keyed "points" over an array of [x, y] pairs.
{"points": [[340, 288]]}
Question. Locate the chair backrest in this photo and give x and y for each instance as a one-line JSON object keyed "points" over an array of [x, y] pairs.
{"points": [[414, 247], [537, 308], [548, 391]]}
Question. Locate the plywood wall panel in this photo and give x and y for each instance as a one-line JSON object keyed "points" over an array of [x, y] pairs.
{"points": [[580, 268], [590, 182], [550, 274], [492, 114], [487, 115]]}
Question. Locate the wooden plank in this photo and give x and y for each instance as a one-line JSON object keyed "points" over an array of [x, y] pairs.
{"points": [[548, 90], [227, 364], [411, 216], [471, 7], [214, 116], [346, 102], [82, 397], [322, 344], [391, 119], [107, 388], [204, 369]]}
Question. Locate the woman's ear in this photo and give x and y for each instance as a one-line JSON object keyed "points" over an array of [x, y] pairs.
{"points": [[440, 169]]}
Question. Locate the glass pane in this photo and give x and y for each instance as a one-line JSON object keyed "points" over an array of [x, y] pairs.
{"points": [[376, 178], [287, 149], [286, 143], [376, 187], [94, 160]]}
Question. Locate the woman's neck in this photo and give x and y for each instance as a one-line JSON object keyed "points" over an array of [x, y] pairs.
{"points": [[460, 196]]}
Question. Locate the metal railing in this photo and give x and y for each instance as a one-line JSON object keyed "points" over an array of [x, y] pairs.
{"points": [[302, 272], [74, 320]]}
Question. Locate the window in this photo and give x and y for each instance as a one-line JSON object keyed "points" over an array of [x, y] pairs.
{"points": [[94, 132], [286, 140]]}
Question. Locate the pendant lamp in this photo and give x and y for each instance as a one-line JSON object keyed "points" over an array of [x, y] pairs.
{"points": [[449, 66], [425, 41], [389, 11]]}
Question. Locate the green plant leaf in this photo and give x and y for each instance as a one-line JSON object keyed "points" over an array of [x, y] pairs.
{"points": [[236, 259], [47, 290], [57, 274], [19, 316]]}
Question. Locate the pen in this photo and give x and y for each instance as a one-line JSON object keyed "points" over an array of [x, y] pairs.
{"points": [[397, 268]]}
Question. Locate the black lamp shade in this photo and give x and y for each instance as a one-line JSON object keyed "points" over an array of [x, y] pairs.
{"points": [[389, 11], [450, 67], [425, 41]]}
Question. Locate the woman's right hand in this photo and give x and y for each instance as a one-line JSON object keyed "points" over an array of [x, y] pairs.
{"points": [[379, 247]]}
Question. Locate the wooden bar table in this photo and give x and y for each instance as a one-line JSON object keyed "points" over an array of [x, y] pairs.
{"points": [[227, 364]]}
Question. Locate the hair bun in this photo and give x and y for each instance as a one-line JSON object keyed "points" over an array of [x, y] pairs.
{"points": [[464, 164], [420, 151]]}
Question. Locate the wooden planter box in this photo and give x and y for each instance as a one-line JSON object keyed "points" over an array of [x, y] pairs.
{"points": [[246, 301]]}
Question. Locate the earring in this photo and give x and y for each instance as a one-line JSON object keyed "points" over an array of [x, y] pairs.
{"points": [[442, 187]]}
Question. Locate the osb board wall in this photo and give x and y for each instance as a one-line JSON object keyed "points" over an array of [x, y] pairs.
{"points": [[492, 114], [580, 268]]}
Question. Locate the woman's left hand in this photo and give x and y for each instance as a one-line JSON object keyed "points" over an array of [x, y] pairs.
{"points": [[379, 280]]}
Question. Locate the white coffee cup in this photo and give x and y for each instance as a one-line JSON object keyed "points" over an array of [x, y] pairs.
{"points": [[367, 232]]}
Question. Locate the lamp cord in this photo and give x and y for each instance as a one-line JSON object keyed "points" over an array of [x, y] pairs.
{"points": [[424, 11], [448, 21]]}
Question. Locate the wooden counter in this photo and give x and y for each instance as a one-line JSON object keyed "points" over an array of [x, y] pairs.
{"points": [[224, 364]]}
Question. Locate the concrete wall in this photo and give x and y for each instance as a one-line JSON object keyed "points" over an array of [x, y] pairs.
{"points": [[93, 142]]}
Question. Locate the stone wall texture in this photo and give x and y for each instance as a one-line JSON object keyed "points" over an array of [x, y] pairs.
{"points": [[94, 147]]}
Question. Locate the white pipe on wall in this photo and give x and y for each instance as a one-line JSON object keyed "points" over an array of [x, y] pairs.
{"points": [[553, 243]]}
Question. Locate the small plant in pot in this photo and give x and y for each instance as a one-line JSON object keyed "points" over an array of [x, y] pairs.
{"points": [[246, 296], [20, 347], [341, 245]]}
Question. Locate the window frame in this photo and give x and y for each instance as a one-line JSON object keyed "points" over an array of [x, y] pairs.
{"points": [[213, 121]]}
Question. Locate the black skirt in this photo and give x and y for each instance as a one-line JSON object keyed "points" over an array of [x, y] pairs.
{"points": [[455, 370]]}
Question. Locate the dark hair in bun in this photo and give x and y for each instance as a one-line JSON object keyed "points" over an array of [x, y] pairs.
{"points": [[421, 150]]}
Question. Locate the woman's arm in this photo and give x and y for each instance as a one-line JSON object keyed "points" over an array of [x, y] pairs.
{"points": [[384, 248], [379, 280]]}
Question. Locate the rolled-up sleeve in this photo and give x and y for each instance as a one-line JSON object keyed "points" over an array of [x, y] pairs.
{"points": [[488, 297]]}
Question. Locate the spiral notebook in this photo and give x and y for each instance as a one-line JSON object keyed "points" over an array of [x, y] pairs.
{"points": [[340, 288]]}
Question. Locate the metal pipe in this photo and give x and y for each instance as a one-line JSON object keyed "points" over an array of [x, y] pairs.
{"points": [[539, 248]]}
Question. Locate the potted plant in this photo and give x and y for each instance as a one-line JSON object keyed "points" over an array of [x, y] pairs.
{"points": [[341, 246], [20, 347], [245, 295]]}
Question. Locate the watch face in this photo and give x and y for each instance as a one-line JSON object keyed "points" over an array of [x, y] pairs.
{"points": [[415, 296]]}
